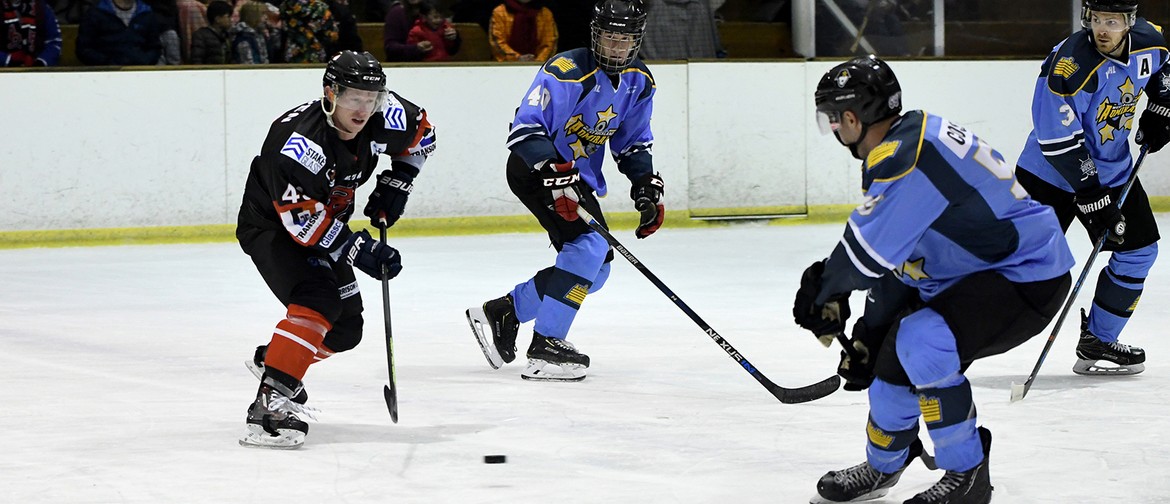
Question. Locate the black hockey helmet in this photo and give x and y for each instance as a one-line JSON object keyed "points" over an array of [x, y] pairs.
{"points": [[1127, 7], [355, 70], [617, 27], [864, 85]]}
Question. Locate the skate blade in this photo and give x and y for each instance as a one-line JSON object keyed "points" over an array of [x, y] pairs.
{"points": [[540, 370], [1089, 367], [477, 319], [876, 494], [257, 371], [256, 437]]}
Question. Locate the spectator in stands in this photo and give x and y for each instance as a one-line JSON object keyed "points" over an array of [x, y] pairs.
{"points": [[572, 18], [119, 32], [680, 30], [192, 15], [521, 31], [308, 28], [33, 36], [432, 27], [167, 12], [480, 12], [209, 45], [274, 34], [347, 29], [395, 30], [248, 44]]}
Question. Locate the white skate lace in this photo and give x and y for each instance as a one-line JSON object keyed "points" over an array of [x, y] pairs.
{"points": [[1120, 347], [949, 482], [285, 405], [859, 476]]}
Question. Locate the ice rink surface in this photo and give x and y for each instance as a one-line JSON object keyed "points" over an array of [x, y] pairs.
{"points": [[122, 381]]}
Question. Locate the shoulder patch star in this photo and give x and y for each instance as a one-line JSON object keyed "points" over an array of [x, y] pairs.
{"points": [[915, 269]]}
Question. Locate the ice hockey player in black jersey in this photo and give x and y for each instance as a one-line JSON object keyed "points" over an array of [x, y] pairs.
{"points": [[1077, 158], [297, 202]]}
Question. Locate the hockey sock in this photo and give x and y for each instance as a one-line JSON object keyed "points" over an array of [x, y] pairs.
{"points": [[296, 340], [565, 294], [892, 426], [1119, 288], [526, 297], [949, 414]]}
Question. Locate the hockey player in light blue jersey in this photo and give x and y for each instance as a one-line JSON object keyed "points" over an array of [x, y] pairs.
{"points": [[580, 100], [960, 264], [1077, 159]]}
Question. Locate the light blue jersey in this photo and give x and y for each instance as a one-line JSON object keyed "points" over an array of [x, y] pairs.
{"points": [[1084, 107], [940, 205], [572, 109]]}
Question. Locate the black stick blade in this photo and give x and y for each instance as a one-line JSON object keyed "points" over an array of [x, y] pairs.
{"points": [[806, 393], [391, 403]]}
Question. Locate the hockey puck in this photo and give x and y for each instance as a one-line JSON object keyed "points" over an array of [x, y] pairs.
{"points": [[494, 459]]}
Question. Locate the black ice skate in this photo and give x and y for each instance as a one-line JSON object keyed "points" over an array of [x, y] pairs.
{"points": [[256, 366], [272, 420], [500, 316], [554, 360], [1119, 359], [862, 482], [967, 487]]}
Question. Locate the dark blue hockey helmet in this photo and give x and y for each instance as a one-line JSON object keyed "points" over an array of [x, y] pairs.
{"points": [[865, 86], [1126, 7], [617, 28]]}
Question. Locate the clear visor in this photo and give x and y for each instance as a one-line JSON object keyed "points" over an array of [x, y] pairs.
{"points": [[360, 101], [828, 122], [1111, 22]]}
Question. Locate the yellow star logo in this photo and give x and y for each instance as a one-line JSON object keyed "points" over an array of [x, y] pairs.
{"points": [[606, 115], [578, 149], [1106, 133], [914, 269], [1126, 88]]}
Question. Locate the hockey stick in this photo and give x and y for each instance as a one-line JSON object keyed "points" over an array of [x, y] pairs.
{"points": [[391, 390], [785, 395], [1021, 390]]}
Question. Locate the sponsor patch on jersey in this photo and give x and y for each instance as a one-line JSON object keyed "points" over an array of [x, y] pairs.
{"points": [[331, 233], [877, 436], [564, 64], [395, 114], [349, 290], [931, 409], [304, 151], [881, 153], [577, 294], [1065, 67]]}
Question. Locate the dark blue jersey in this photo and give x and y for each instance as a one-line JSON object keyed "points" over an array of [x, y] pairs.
{"points": [[573, 108], [1084, 106], [941, 204]]}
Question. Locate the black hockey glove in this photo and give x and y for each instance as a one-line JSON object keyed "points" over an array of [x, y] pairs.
{"points": [[371, 256], [388, 200], [857, 367], [827, 320], [561, 180], [1098, 212], [647, 195], [1154, 127]]}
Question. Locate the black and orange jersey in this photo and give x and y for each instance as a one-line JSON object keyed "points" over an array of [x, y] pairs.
{"points": [[305, 176]]}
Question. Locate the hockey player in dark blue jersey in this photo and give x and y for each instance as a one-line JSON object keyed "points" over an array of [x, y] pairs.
{"points": [[1077, 159], [580, 100], [960, 264]]}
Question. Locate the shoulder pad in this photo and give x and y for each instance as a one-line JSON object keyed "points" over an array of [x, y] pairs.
{"points": [[1146, 35], [571, 66], [1073, 65], [639, 67], [898, 153]]}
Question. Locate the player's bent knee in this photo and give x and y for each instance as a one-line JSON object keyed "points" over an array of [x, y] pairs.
{"points": [[346, 334]]}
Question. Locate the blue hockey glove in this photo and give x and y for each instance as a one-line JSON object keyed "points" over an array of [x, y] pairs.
{"points": [[370, 256]]}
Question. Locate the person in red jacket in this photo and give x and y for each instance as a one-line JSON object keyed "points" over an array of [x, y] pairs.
{"points": [[432, 27]]}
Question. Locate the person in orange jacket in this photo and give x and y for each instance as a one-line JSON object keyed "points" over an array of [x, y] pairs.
{"points": [[522, 32]]}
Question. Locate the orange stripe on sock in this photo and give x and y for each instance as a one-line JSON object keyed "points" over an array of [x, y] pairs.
{"points": [[296, 341]]}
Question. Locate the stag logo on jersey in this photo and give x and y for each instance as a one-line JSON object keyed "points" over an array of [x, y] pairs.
{"points": [[1118, 116], [305, 151], [1066, 67], [1165, 90], [842, 78], [1088, 168], [590, 138]]}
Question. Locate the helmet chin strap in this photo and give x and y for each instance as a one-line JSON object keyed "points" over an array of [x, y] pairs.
{"points": [[854, 146]]}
